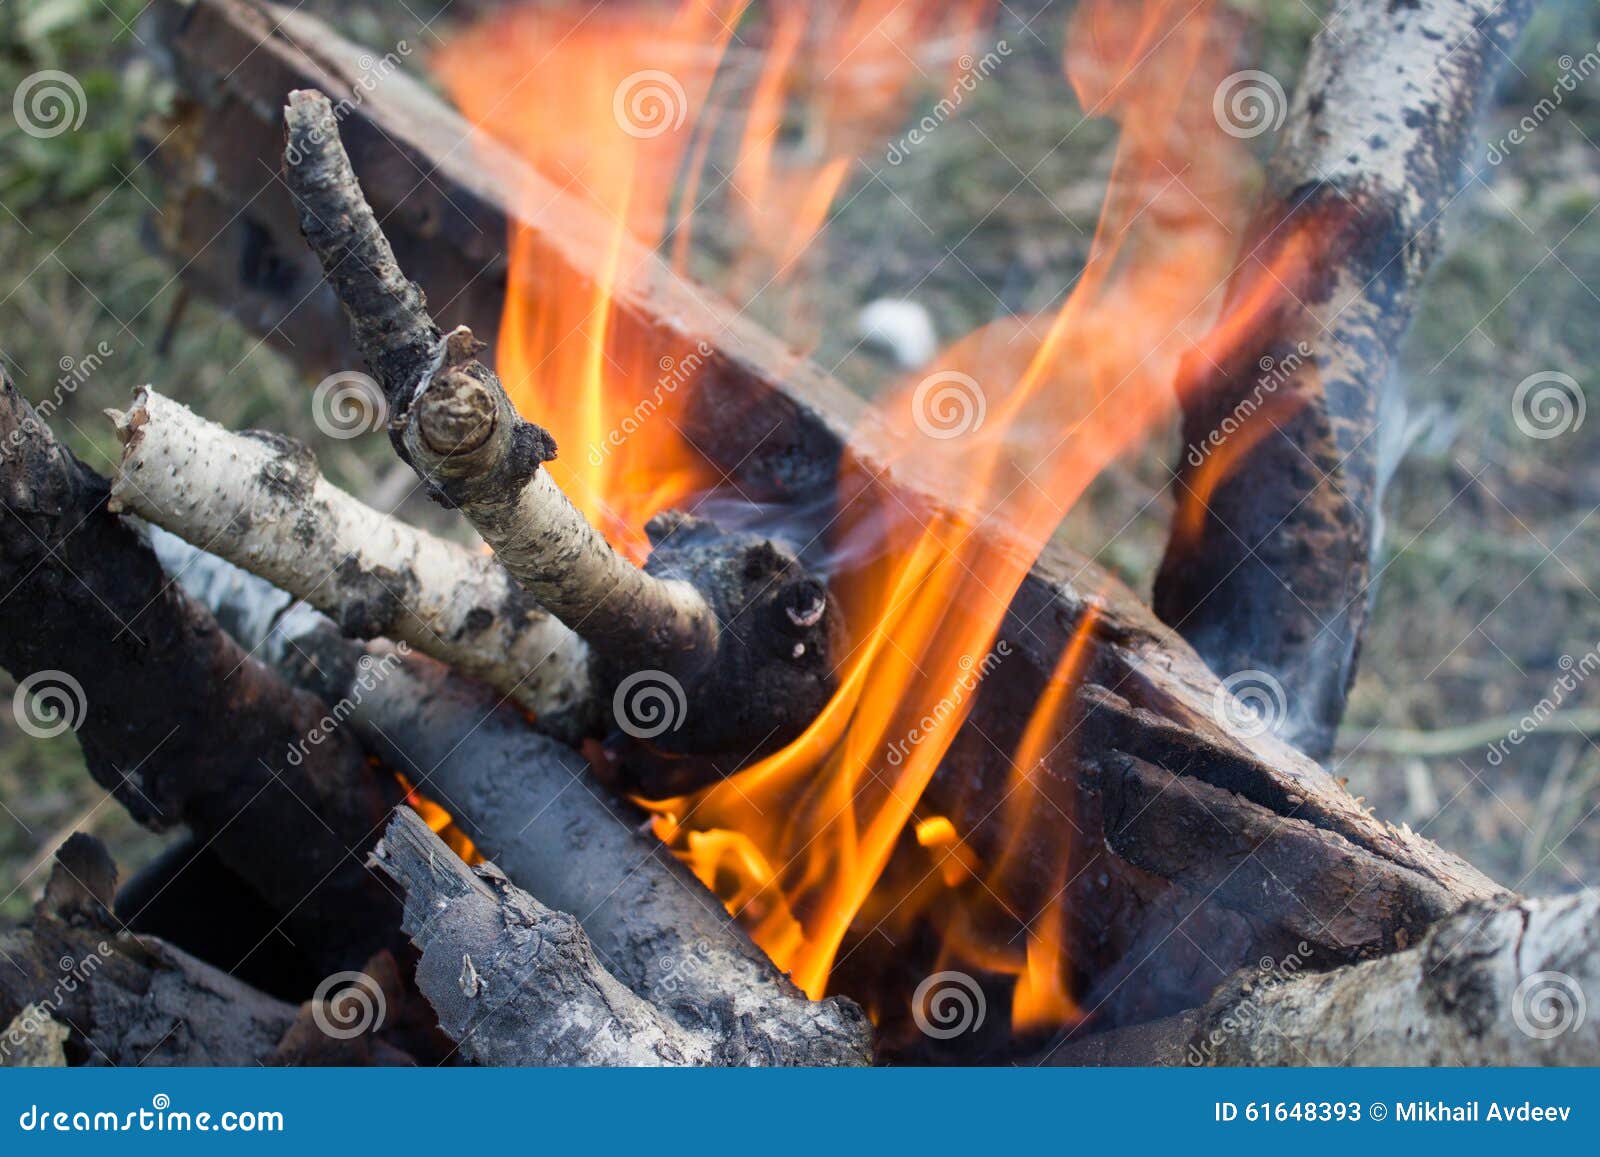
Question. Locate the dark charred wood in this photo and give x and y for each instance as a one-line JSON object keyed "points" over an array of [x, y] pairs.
{"points": [[78, 989], [1268, 566], [188, 897], [174, 719]]}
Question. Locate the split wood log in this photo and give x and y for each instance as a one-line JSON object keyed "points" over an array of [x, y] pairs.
{"points": [[177, 722], [1278, 494], [79, 989], [527, 803], [513, 982], [259, 500], [784, 432], [744, 634]]}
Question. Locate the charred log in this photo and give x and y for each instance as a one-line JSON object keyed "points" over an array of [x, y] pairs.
{"points": [[174, 719], [1269, 561], [77, 989]]}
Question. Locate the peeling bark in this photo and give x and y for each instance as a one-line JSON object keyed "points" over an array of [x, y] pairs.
{"points": [[513, 982], [1269, 562], [258, 500]]}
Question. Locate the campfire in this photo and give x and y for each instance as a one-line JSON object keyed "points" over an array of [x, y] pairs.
{"points": [[769, 725]]}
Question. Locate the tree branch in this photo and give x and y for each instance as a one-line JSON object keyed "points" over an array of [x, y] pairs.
{"points": [[258, 500], [732, 619], [1268, 563]]}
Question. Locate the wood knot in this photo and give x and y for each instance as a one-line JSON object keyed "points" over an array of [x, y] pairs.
{"points": [[456, 413]]}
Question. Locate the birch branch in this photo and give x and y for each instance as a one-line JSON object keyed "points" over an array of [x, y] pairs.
{"points": [[1500, 983], [523, 799], [1268, 564], [736, 624], [259, 501]]}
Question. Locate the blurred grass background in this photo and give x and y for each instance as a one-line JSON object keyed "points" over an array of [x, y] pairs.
{"points": [[1488, 574]]}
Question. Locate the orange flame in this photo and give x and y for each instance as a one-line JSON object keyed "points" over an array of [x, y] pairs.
{"points": [[833, 836]]}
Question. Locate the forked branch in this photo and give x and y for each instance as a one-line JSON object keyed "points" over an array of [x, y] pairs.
{"points": [[735, 621]]}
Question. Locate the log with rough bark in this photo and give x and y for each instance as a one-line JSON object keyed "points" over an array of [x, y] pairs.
{"points": [[175, 720], [235, 495], [527, 803], [739, 626], [80, 989], [1278, 492], [1502, 982], [513, 982]]}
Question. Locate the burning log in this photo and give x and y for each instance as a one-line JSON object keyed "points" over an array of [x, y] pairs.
{"points": [[523, 800], [735, 622], [374, 575], [1269, 561], [177, 722], [79, 989], [513, 982], [784, 432]]}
